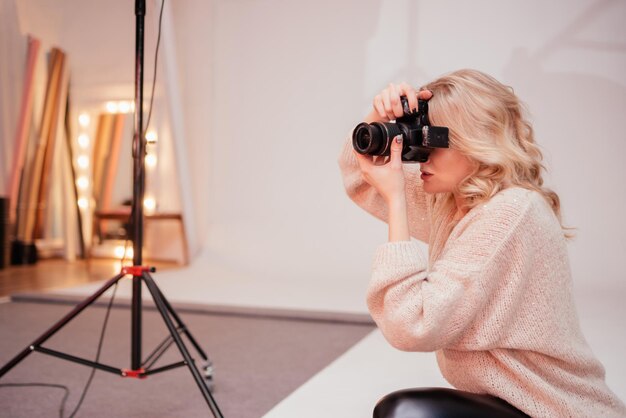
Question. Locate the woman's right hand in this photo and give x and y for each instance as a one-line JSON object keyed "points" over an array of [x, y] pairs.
{"points": [[387, 105]]}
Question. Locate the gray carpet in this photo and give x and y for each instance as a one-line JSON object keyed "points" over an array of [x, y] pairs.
{"points": [[260, 357]]}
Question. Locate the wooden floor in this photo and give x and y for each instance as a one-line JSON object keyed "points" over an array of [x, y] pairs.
{"points": [[51, 274]]}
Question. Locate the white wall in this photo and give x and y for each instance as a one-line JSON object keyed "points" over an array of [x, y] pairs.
{"points": [[292, 78], [270, 89]]}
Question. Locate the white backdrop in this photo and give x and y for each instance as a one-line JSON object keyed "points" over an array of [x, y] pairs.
{"points": [[290, 79], [269, 89]]}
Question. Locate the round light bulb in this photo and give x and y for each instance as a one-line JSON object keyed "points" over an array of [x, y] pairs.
{"points": [[83, 161], [83, 120], [124, 107], [83, 141], [151, 160], [112, 107], [82, 182], [149, 203], [151, 137]]}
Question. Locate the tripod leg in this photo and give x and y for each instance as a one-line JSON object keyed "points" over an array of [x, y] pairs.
{"points": [[60, 324], [162, 308], [184, 327], [207, 366]]}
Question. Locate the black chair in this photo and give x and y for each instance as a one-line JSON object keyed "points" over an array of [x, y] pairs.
{"points": [[443, 403]]}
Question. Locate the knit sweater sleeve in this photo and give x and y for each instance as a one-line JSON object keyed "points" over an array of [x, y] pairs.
{"points": [[418, 309], [364, 195]]}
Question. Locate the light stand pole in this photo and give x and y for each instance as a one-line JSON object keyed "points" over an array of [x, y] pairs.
{"points": [[139, 182]]}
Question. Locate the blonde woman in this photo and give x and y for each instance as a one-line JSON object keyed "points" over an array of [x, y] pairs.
{"points": [[494, 296]]}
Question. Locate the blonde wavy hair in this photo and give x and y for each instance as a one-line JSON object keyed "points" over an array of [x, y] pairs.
{"points": [[488, 124]]}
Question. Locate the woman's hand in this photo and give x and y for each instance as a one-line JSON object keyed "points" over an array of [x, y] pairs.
{"points": [[385, 174], [387, 177], [387, 105]]}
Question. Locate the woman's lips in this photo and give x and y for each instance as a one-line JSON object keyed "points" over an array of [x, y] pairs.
{"points": [[426, 175]]}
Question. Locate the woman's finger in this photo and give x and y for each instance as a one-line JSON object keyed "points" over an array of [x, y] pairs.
{"points": [[379, 107], [365, 161], [425, 94], [387, 97], [396, 103], [411, 95], [396, 152]]}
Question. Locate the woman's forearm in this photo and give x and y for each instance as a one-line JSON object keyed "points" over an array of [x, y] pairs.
{"points": [[398, 221]]}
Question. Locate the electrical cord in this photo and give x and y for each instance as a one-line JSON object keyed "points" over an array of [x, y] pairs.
{"points": [[156, 57]]}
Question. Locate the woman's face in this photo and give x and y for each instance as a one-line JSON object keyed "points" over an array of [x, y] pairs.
{"points": [[444, 170]]}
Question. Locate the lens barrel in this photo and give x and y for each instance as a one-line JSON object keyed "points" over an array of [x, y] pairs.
{"points": [[374, 138]]}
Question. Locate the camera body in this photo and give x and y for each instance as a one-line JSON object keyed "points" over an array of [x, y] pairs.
{"points": [[419, 137]]}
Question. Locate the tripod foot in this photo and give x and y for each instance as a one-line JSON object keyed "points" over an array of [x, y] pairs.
{"points": [[207, 371]]}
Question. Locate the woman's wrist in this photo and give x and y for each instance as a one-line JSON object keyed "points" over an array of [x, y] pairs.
{"points": [[398, 219], [396, 202]]}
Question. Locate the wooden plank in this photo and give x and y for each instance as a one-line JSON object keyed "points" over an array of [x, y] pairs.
{"points": [[36, 169], [23, 128], [63, 182], [26, 179], [102, 145], [110, 170], [74, 187], [58, 106]]}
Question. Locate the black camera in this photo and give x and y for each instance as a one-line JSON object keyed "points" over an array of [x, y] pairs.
{"points": [[418, 136]]}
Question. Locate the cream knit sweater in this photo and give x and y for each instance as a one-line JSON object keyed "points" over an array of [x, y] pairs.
{"points": [[493, 299]]}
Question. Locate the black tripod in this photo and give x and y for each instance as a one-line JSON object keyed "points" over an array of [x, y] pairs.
{"points": [[140, 274]]}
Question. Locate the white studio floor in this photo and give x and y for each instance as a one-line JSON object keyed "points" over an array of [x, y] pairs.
{"points": [[350, 386]]}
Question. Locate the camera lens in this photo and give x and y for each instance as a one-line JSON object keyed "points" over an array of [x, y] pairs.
{"points": [[367, 139], [364, 140], [374, 138]]}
